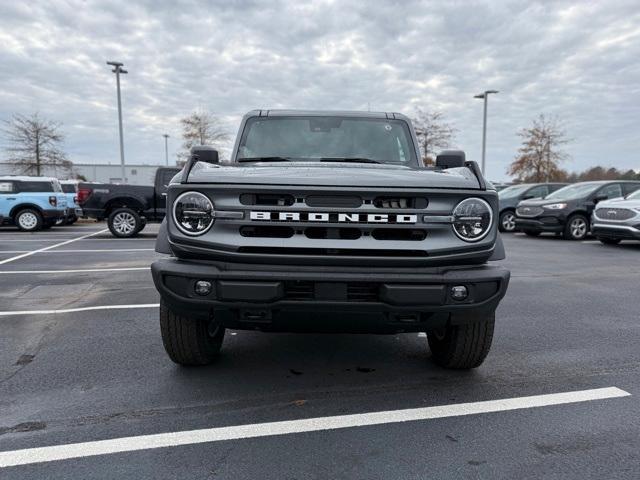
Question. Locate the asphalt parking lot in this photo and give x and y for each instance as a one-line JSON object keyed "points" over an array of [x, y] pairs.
{"points": [[76, 370]]}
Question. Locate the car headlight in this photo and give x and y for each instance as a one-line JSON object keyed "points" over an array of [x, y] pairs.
{"points": [[472, 219], [193, 213], [555, 206]]}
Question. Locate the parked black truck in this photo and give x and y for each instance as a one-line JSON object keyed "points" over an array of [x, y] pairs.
{"points": [[127, 208], [328, 221]]}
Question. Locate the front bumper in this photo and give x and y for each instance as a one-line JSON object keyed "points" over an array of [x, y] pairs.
{"points": [[329, 298], [546, 223], [607, 230]]}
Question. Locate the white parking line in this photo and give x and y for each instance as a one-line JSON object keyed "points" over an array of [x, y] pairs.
{"points": [[191, 437], [80, 309], [87, 250], [79, 270], [7, 260]]}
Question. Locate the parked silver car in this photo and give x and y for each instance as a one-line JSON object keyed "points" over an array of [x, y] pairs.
{"points": [[618, 219]]}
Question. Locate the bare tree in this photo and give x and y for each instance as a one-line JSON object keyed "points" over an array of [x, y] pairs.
{"points": [[540, 154], [201, 128], [433, 132], [34, 143]]}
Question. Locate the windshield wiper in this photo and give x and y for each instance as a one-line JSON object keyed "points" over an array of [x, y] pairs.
{"points": [[264, 159], [348, 159]]}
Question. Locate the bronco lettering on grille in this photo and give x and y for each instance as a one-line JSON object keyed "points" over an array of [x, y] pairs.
{"points": [[333, 217]]}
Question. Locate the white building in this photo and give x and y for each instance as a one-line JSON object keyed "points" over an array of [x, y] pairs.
{"points": [[142, 174]]}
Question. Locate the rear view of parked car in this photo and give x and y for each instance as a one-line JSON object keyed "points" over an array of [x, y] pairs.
{"points": [[31, 203], [567, 211], [511, 196], [70, 189], [619, 219]]}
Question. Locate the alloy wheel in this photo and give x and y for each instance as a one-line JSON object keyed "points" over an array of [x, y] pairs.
{"points": [[578, 228], [124, 223], [509, 222]]}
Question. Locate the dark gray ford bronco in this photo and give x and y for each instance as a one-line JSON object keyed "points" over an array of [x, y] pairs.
{"points": [[328, 222]]}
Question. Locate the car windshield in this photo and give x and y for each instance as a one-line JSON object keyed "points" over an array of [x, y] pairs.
{"points": [[327, 138], [512, 192], [573, 191], [634, 196]]}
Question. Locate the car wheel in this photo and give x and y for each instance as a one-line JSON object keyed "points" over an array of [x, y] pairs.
{"points": [[531, 233], [124, 223], [610, 241], [189, 341], [507, 221], [29, 220], [462, 346], [72, 220], [577, 227]]}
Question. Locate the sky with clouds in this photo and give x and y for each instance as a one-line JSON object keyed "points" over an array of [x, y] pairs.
{"points": [[579, 60]]}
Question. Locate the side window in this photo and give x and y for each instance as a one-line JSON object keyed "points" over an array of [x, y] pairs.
{"points": [[6, 187], [537, 192], [36, 187], [628, 188], [611, 191]]}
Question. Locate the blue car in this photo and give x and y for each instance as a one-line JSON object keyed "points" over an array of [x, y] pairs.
{"points": [[70, 189], [31, 203]]}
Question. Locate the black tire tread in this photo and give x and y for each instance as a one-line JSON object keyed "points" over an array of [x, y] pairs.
{"points": [[40, 224], [464, 346], [186, 340]]}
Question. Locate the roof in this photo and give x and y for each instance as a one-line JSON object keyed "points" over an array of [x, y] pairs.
{"points": [[26, 178], [325, 113]]}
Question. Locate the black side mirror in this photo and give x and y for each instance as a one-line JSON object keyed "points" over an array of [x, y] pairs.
{"points": [[206, 154], [450, 159], [599, 198], [527, 197]]}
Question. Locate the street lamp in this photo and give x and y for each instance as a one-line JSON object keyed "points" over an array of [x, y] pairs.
{"points": [[117, 69], [166, 148], [485, 97]]}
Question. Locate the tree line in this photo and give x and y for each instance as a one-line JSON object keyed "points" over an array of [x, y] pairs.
{"points": [[33, 142]]}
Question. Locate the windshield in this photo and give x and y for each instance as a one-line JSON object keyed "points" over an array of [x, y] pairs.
{"points": [[327, 138], [576, 190], [634, 196], [511, 192]]}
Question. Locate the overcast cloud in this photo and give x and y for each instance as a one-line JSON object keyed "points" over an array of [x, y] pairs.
{"points": [[579, 60]]}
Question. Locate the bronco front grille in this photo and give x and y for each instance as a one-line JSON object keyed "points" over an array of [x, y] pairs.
{"points": [[619, 214], [529, 211], [302, 291]]}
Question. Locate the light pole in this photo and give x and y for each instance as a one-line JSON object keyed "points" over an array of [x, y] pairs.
{"points": [[166, 148], [117, 69], [485, 97]]}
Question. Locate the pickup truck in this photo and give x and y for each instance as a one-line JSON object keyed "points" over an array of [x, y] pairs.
{"points": [[127, 208], [328, 222], [31, 203]]}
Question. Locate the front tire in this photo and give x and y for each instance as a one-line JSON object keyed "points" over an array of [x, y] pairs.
{"points": [[124, 223], [189, 341], [29, 220], [577, 228], [507, 221], [462, 346]]}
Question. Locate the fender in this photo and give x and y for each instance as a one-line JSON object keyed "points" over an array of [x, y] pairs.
{"points": [[162, 240], [498, 251]]}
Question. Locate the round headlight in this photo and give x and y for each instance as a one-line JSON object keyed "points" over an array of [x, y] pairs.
{"points": [[472, 219], [193, 213]]}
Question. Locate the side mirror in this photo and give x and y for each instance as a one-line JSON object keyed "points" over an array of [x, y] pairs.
{"points": [[528, 197], [450, 159], [599, 198], [206, 154]]}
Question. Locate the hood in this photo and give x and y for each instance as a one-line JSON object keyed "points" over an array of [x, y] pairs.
{"points": [[538, 202], [333, 174], [620, 203]]}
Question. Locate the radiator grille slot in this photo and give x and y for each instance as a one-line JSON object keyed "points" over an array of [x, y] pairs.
{"points": [[340, 252], [267, 199], [333, 233], [266, 231], [400, 202], [405, 234]]}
